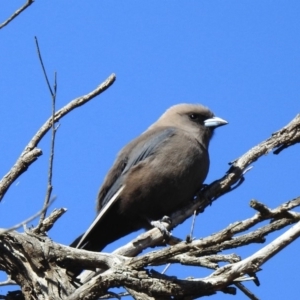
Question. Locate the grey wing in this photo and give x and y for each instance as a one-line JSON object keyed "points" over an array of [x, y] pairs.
{"points": [[143, 149]]}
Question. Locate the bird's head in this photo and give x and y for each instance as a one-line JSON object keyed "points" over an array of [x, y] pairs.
{"points": [[193, 118]]}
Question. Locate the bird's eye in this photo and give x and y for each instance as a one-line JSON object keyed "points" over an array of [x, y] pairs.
{"points": [[193, 116]]}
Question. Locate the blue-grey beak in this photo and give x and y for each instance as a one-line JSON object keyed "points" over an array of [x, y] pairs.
{"points": [[214, 122]]}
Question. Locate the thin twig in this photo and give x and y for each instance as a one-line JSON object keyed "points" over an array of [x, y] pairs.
{"points": [[16, 13], [48, 222], [53, 96], [247, 292], [166, 268], [8, 281], [193, 224], [3, 231]]}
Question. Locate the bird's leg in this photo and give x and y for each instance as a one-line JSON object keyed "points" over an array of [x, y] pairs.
{"points": [[159, 224]]}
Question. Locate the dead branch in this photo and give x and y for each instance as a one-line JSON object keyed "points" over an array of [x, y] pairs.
{"points": [[23, 255], [16, 13], [196, 252], [31, 153], [8, 281], [53, 131], [26, 221], [48, 223], [154, 285]]}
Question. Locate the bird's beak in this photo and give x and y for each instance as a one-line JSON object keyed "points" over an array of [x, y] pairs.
{"points": [[214, 122]]}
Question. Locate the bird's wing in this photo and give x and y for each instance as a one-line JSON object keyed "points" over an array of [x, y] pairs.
{"points": [[141, 148]]}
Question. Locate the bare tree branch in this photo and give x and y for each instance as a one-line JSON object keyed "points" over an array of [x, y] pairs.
{"points": [[128, 272], [4, 231], [48, 223], [281, 217], [51, 157], [53, 93], [170, 286], [16, 13], [248, 293], [31, 153], [195, 252], [8, 281]]}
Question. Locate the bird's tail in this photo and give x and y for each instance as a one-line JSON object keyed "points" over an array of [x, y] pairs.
{"points": [[98, 245]]}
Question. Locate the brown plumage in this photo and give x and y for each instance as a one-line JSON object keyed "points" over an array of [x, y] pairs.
{"points": [[154, 175]]}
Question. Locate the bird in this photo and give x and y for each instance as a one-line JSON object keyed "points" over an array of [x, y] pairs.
{"points": [[154, 175]]}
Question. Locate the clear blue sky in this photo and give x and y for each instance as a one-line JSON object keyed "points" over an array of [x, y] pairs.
{"points": [[240, 58]]}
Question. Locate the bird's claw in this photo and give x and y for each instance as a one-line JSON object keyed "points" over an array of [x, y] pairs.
{"points": [[159, 225], [166, 219]]}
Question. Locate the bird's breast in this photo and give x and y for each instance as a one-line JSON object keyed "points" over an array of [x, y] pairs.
{"points": [[164, 182]]}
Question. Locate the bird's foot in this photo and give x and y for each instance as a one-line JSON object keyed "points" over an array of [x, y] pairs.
{"points": [[166, 219], [159, 224]]}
